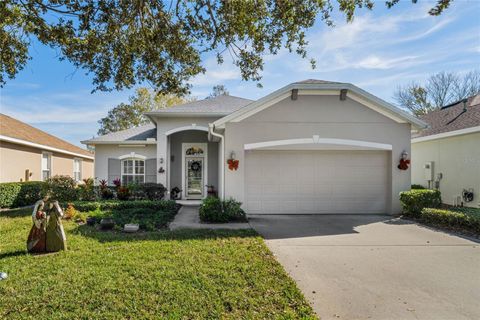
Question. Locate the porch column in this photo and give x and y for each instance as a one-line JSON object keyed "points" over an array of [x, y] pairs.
{"points": [[162, 154]]}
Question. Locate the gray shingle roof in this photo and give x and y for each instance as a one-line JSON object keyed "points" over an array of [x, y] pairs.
{"points": [[316, 81], [452, 117], [223, 104], [141, 133]]}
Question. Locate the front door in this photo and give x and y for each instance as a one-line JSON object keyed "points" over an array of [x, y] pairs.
{"points": [[194, 177]]}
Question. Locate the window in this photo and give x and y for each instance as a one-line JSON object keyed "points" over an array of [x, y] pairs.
{"points": [[46, 165], [77, 169], [133, 170], [194, 151]]}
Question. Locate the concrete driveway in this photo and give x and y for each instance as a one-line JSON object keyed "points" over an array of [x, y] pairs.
{"points": [[376, 267]]}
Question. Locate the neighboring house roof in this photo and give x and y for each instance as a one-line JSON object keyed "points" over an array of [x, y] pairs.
{"points": [[145, 134], [322, 87], [453, 117], [218, 106], [15, 131]]}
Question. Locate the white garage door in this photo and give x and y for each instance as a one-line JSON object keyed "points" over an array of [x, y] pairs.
{"points": [[316, 182]]}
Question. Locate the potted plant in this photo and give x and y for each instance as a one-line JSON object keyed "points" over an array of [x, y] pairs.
{"points": [[107, 223]]}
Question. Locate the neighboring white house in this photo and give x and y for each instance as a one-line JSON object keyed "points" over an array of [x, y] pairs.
{"points": [[310, 147], [447, 154]]}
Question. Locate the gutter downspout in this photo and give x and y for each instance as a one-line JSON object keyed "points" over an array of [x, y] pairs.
{"points": [[211, 130]]}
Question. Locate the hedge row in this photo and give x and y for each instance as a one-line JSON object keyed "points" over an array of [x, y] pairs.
{"points": [[451, 219], [85, 206], [19, 194], [415, 200]]}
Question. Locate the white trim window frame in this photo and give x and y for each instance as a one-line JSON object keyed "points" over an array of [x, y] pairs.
{"points": [[132, 170], [46, 165], [77, 169]]}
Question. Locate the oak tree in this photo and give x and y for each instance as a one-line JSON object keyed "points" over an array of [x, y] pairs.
{"points": [[124, 43]]}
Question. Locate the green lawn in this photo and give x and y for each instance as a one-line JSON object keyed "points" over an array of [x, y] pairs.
{"points": [[174, 275]]}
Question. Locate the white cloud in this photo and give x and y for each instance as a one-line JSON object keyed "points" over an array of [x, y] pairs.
{"points": [[376, 62]]}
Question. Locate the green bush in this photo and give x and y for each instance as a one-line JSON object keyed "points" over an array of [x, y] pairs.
{"points": [[232, 209], [414, 201], [85, 206], [216, 210], [451, 219], [19, 194], [211, 210], [149, 215], [86, 191], [62, 188], [417, 186]]}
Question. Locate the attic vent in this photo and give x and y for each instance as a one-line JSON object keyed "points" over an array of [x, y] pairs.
{"points": [[151, 139], [294, 94]]}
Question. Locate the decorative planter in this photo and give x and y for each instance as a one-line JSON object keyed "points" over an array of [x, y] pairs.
{"points": [[107, 223], [91, 221], [130, 227]]}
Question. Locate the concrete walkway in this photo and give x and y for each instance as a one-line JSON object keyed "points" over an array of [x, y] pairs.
{"points": [[188, 218], [376, 267]]}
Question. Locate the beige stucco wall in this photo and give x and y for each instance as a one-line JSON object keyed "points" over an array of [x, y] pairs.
{"points": [[327, 117], [15, 159], [457, 158]]}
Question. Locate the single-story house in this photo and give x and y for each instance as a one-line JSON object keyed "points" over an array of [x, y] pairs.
{"points": [[30, 154], [310, 147], [447, 154]]}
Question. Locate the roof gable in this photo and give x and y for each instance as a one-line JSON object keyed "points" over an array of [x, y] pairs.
{"points": [[320, 87]]}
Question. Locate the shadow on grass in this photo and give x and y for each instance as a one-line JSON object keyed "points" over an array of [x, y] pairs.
{"points": [[16, 213], [13, 254], [162, 234]]}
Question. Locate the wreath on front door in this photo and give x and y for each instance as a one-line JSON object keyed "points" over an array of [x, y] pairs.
{"points": [[195, 166]]}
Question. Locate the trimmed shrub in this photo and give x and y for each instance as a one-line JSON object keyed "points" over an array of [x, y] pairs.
{"points": [[211, 210], [451, 219], [414, 201], [85, 206], [417, 186], [232, 209], [19, 194], [216, 210], [62, 188], [154, 191], [149, 215]]}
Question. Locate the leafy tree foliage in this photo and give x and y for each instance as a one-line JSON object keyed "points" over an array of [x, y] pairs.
{"points": [[218, 90], [439, 90], [124, 43], [129, 115]]}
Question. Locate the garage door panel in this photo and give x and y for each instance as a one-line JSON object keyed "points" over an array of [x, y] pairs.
{"points": [[316, 182]]}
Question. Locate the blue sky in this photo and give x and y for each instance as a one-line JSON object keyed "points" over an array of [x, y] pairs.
{"points": [[380, 50]]}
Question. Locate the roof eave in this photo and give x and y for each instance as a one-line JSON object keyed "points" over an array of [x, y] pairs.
{"points": [[186, 114], [44, 147], [417, 123], [132, 142]]}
